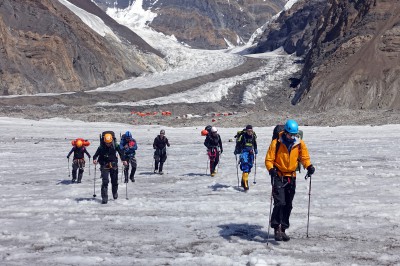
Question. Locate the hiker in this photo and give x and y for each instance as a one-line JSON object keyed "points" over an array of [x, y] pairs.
{"points": [[214, 148], [160, 153], [281, 161], [106, 155], [129, 146], [246, 146], [78, 161]]}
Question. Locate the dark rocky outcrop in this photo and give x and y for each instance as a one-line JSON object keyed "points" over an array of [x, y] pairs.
{"points": [[293, 29], [47, 48], [354, 61], [350, 51]]}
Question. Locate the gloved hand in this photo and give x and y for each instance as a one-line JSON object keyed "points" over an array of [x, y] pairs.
{"points": [[234, 152], [273, 173], [94, 161], [221, 151], [67, 157], [310, 170], [255, 151], [89, 156]]}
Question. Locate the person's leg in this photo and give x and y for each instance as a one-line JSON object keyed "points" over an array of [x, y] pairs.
{"points": [[114, 181], [290, 191], [126, 172], [133, 164], [244, 166], [81, 170], [104, 184], [163, 158], [156, 160], [278, 193], [216, 160], [75, 167]]}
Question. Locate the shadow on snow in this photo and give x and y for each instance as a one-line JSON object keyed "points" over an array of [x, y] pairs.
{"points": [[246, 231]]}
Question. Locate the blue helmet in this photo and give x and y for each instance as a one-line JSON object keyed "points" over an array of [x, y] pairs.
{"points": [[292, 127], [128, 135]]}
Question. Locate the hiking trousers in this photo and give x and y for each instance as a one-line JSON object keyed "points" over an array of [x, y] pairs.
{"points": [[133, 164], [160, 156], [113, 173], [213, 155], [283, 192], [78, 164]]}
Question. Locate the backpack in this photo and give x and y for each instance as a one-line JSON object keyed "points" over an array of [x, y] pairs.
{"points": [[206, 130], [275, 135], [238, 139], [85, 142], [102, 143]]}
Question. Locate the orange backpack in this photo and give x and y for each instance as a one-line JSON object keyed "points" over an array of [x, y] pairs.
{"points": [[85, 142]]}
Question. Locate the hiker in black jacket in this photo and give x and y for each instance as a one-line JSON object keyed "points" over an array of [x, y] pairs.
{"points": [[213, 142], [160, 153], [106, 155]]}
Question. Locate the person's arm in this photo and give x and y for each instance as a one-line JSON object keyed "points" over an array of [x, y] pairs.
{"points": [[167, 142], [155, 143], [87, 153], [270, 156], [133, 145], [121, 153], [220, 143], [304, 155], [71, 151], [206, 141], [97, 153]]}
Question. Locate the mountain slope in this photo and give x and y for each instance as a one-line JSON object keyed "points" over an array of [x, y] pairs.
{"points": [[47, 48], [354, 62], [350, 48], [207, 24]]}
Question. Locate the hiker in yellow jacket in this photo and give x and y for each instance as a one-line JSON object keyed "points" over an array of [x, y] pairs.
{"points": [[281, 161]]}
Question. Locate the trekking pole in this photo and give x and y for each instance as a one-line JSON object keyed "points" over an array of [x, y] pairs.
{"points": [[94, 182], [122, 171], [166, 161], [207, 166], [309, 200], [69, 172], [126, 190], [255, 169], [89, 166], [270, 210], [237, 169]]}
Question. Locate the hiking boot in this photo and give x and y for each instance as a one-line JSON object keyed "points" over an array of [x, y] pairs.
{"points": [[155, 171], [161, 172], [115, 195], [285, 237], [104, 201], [245, 181], [213, 173], [278, 234], [73, 180], [126, 180]]}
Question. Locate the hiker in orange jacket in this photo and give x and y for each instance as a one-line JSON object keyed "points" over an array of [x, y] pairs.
{"points": [[281, 161]]}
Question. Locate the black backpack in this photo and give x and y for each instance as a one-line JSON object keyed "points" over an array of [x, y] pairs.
{"points": [[208, 128], [238, 148], [102, 143]]}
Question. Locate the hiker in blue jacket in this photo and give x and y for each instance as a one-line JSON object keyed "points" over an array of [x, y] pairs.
{"points": [[129, 146]]}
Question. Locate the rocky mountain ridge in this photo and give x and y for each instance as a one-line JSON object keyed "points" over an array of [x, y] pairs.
{"points": [[206, 24], [47, 48], [350, 51]]}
